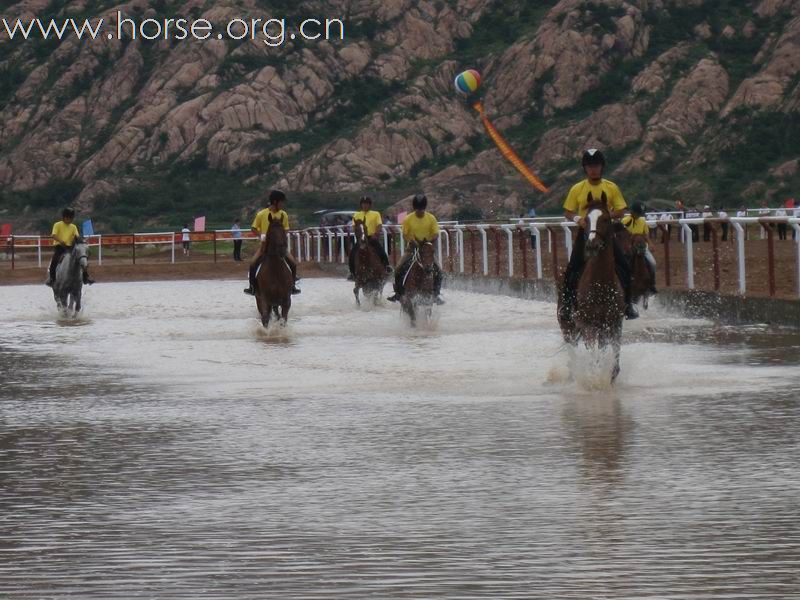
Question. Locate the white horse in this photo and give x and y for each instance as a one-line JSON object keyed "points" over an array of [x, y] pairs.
{"points": [[68, 284]]}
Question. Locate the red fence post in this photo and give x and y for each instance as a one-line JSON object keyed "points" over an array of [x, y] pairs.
{"points": [[497, 244], [555, 253], [473, 249], [770, 258], [667, 267], [523, 247], [715, 249]]}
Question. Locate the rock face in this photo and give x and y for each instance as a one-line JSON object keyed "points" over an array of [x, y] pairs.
{"points": [[377, 110]]}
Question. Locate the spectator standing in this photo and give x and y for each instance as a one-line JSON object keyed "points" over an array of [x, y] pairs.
{"points": [[741, 213], [782, 227], [693, 214], [665, 219], [707, 214], [186, 238], [532, 215], [236, 234], [724, 225]]}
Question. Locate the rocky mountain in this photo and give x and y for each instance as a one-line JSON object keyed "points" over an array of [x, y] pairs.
{"points": [[697, 99]]}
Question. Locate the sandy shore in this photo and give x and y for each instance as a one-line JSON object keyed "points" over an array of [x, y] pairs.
{"points": [[152, 272]]}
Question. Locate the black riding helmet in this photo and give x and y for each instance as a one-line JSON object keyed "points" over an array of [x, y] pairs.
{"points": [[420, 202], [68, 213], [365, 199], [276, 196], [593, 156], [637, 208]]}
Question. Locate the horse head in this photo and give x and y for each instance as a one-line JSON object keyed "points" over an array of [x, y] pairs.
{"points": [[360, 231], [277, 244], [80, 252], [599, 227], [425, 255]]}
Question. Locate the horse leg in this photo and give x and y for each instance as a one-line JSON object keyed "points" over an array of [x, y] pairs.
{"points": [[285, 311], [264, 310], [616, 344], [408, 307]]}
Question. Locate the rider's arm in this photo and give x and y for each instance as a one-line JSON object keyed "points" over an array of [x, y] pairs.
{"points": [[618, 214], [571, 216]]}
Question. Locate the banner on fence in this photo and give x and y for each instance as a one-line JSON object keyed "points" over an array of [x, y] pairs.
{"points": [[200, 224], [87, 228], [5, 230]]}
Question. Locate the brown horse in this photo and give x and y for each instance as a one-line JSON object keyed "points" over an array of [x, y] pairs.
{"points": [[420, 282], [274, 279], [600, 300], [641, 278], [370, 273]]}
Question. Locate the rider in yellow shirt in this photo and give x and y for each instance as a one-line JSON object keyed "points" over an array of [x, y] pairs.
{"points": [[636, 224], [593, 163], [65, 233], [419, 226], [277, 200], [374, 223]]}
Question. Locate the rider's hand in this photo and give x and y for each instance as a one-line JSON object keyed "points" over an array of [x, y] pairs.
{"points": [[579, 221]]}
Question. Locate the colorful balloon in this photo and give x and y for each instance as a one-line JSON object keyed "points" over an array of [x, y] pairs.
{"points": [[468, 82]]}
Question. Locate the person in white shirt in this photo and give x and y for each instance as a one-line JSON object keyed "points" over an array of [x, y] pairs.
{"points": [[186, 239], [667, 231], [782, 227], [741, 213], [724, 225], [707, 214]]}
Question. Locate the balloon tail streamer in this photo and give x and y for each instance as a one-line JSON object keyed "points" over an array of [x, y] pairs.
{"points": [[508, 151]]}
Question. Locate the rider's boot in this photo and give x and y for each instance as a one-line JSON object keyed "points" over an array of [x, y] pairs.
{"points": [[652, 289], [251, 290], [437, 297], [398, 293], [630, 310]]}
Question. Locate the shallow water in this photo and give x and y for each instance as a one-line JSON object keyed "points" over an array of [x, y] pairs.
{"points": [[164, 446]]}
